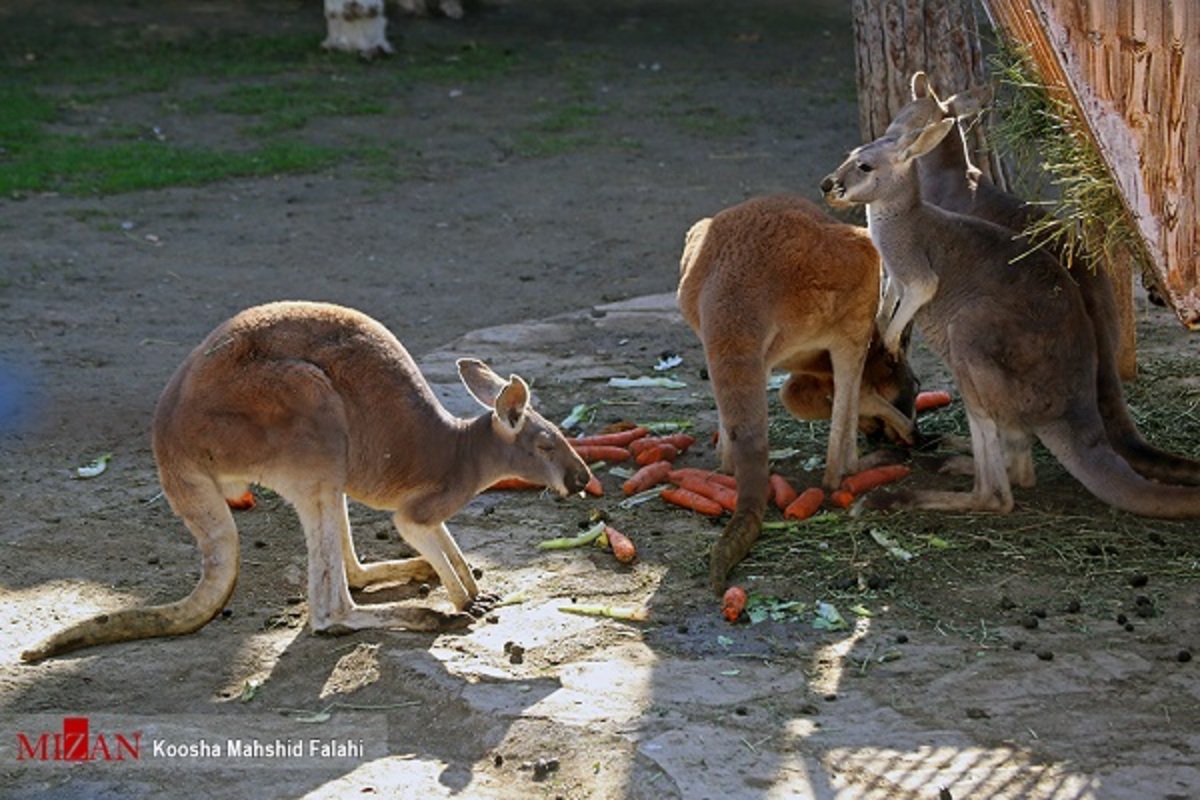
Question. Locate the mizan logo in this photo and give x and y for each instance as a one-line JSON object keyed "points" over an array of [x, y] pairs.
{"points": [[77, 743]]}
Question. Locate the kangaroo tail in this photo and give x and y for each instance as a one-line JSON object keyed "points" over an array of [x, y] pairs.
{"points": [[206, 514], [1084, 449]]}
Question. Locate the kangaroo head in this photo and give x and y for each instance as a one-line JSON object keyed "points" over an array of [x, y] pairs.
{"points": [[878, 169], [534, 448], [926, 107], [892, 379]]}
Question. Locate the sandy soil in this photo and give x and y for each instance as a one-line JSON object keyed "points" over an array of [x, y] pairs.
{"points": [[1045, 655]]}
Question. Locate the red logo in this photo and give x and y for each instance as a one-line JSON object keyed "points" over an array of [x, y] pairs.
{"points": [[77, 743]]}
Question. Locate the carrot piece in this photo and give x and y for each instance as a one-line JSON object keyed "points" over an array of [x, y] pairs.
{"points": [[602, 452], [928, 401], [243, 503], [647, 477], [781, 491], [695, 502], [806, 504], [616, 439], [507, 484], [842, 498], [733, 603], [622, 545], [713, 491], [594, 487], [704, 474], [660, 452], [680, 441], [868, 479]]}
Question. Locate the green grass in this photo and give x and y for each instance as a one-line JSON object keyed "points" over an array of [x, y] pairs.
{"points": [[80, 167], [279, 84]]}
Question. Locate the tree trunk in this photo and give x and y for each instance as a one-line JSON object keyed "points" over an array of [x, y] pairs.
{"points": [[895, 38], [356, 26]]}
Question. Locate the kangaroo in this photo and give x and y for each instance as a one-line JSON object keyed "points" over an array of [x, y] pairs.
{"points": [[777, 283], [949, 180], [320, 402], [1015, 335]]}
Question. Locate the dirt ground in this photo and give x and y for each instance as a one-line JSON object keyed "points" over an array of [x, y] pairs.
{"points": [[1046, 654]]}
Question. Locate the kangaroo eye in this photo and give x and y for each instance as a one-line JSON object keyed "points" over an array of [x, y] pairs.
{"points": [[545, 442], [863, 167]]}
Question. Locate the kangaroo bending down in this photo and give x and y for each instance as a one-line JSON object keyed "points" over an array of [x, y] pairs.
{"points": [[320, 402], [1014, 333], [775, 282], [949, 180]]}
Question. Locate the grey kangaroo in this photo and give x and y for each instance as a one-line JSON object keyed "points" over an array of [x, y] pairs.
{"points": [[1015, 335], [949, 180]]}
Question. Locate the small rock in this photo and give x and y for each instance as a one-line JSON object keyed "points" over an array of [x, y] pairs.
{"points": [[543, 767], [902, 638], [1183, 656], [1030, 622], [978, 713], [1045, 655], [1139, 580]]}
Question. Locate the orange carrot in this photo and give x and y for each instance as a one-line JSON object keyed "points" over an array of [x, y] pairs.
{"points": [[806, 504], [243, 503], [506, 484], [713, 491], [695, 502], [616, 439], [928, 401], [842, 498], [868, 479], [704, 474], [601, 452], [660, 452], [781, 491], [647, 477], [680, 441], [733, 603], [622, 545], [594, 487]]}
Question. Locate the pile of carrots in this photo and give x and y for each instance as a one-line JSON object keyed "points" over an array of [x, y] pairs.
{"points": [[704, 491], [713, 494]]}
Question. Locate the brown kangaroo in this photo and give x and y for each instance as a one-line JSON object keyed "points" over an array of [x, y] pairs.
{"points": [[949, 180], [775, 282], [320, 402], [1014, 333]]}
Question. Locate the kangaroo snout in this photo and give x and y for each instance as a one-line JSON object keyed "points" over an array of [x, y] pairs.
{"points": [[834, 191], [576, 478]]}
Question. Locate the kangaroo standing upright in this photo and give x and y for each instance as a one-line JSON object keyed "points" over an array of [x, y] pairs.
{"points": [[321, 402], [949, 180], [1014, 333], [775, 282]]}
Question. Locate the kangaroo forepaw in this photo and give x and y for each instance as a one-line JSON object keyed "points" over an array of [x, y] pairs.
{"points": [[734, 543], [482, 603]]}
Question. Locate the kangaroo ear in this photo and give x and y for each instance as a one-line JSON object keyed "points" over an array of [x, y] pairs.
{"points": [[970, 102], [511, 405], [920, 85], [918, 143], [483, 384]]}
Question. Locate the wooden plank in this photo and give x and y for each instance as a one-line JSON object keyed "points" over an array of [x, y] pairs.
{"points": [[1133, 71]]}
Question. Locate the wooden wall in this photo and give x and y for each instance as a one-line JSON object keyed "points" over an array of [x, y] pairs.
{"points": [[1132, 67]]}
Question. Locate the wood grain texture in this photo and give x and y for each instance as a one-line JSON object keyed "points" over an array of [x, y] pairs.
{"points": [[1133, 71]]}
